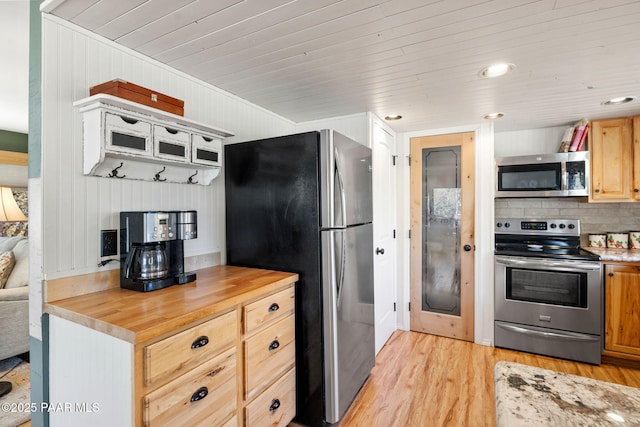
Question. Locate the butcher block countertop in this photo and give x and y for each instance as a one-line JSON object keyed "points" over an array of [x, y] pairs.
{"points": [[136, 317]]}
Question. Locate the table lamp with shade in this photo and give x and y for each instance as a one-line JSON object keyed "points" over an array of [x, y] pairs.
{"points": [[9, 212]]}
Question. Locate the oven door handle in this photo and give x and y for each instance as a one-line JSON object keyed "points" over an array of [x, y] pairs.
{"points": [[568, 336], [564, 265]]}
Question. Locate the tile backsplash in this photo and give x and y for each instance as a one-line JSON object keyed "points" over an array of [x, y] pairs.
{"points": [[594, 217]]}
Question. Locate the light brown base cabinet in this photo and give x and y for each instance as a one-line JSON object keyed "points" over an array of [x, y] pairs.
{"points": [[622, 311], [234, 366]]}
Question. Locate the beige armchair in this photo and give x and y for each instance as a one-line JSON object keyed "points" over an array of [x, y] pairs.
{"points": [[14, 300]]}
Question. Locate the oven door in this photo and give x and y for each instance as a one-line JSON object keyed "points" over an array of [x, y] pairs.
{"points": [[549, 293]]}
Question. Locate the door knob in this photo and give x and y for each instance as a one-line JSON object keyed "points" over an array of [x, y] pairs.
{"points": [[467, 248], [379, 251]]}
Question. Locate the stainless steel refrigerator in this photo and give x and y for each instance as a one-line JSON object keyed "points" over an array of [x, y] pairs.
{"points": [[303, 203]]}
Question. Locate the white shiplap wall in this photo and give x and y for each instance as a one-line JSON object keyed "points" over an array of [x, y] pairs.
{"points": [[355, 126], [531, 141], [76, 207]]}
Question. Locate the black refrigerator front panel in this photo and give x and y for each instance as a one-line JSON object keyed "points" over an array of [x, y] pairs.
{"points": [[272, 221]]}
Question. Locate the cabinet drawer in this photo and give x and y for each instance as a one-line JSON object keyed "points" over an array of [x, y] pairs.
{"points": [[267, 309], [268, 354], [198, 343], [206, 150], [127, 135], [276, 406], [171, 144], [204, 396]]}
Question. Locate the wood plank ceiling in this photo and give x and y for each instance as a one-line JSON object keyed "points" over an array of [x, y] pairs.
{"points": [[308, 60]]}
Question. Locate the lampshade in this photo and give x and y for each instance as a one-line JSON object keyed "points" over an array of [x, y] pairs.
{"points": [[9, 210]]}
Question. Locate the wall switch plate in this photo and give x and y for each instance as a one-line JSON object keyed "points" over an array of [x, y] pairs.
{"points": [[108, 242]]}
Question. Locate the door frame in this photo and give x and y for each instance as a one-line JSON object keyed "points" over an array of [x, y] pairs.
{"points": [[483, 220]]}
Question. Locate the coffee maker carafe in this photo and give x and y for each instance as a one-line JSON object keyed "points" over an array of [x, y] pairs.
{"points": [[147, 261], [152, 251]]}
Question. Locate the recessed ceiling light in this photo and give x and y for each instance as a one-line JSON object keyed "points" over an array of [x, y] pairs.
{"points": [[393, 117], [497, 70], [620, 100], [492, 116]]}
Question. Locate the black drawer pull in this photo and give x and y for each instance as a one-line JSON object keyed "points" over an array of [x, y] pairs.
{"points": [[274, 344], [200, 342], [200, 394], [274, 307], [171, 131], [275, 404]]}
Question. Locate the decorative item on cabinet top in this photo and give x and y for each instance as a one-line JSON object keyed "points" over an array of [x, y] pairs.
{"points": [[123, 139], [140, 95]]}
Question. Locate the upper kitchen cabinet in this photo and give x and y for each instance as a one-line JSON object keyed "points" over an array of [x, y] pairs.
{"points": [[615, 160], [125, 139]]}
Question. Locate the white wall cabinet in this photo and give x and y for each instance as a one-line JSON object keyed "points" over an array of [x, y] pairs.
{"points": [[123, 139]]}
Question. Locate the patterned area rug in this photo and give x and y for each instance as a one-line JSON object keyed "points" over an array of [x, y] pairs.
{"points": [[14, 407]]}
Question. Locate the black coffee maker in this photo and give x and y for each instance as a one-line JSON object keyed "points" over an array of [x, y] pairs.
{"points": [[152, 249]]}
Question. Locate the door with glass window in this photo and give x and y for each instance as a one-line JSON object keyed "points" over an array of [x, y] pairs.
{"points": [[442, 236]]}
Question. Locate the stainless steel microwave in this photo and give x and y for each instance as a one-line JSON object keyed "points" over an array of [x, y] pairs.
{"points": [[544, 175]]}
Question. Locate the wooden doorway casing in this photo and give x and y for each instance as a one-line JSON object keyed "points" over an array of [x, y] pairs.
{"points": [[459, 327]]}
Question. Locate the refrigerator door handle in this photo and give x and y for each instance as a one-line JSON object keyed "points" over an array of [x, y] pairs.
{"points": [[340, 265], [339, 196]]}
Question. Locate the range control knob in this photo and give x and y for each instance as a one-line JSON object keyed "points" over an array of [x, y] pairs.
{"points": [[499, 225], [553, 225], [507, 225], [571, 226], [562, 226]]}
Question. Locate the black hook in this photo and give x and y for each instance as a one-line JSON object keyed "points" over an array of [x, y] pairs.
{"points": [[114, 173], [190, 180], [157, 177]]}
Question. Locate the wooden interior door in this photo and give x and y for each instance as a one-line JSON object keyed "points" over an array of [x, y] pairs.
{"points": [[442, 246]]}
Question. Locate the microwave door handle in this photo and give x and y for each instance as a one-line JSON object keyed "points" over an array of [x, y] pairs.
{"points": [[563, 176]]}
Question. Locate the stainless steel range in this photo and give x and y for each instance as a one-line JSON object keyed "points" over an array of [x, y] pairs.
{"points": [[548, 290]]}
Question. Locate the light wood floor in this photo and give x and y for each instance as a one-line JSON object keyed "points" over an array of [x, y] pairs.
{"points": [[429, 381]]}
